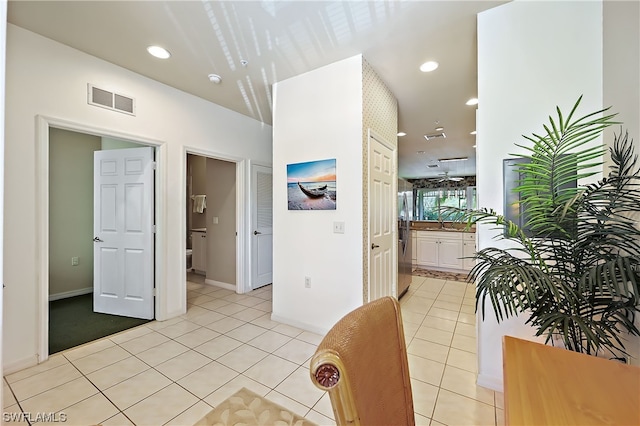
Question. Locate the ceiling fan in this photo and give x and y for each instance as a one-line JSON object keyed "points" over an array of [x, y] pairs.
{"points": [[446, 177]]}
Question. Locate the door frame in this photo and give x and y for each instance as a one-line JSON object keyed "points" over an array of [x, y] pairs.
{"points": [[242, 220], [43, 123], [394, 201]]}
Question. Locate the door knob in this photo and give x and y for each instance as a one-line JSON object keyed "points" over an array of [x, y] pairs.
{"points": [[98, 240], [374, 246], [256, 232]]}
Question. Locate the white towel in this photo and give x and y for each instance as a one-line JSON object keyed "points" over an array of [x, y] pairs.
{"points": [[199, 203]]}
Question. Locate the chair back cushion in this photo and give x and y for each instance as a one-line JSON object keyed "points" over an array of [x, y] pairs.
{"points": [[370, 343]]}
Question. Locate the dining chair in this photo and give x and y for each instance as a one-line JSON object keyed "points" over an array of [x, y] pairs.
{"points": [[362, 364]]}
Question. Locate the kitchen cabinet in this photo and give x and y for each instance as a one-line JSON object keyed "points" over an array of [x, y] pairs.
{"points": [[450, 252], [427, 250], [468, 250], [444, 249], [199, 251], [414, 249]]}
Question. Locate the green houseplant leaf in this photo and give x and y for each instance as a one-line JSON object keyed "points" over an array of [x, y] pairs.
{"points": [[576, 271]]}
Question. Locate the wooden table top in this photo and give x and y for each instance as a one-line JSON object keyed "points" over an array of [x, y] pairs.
{"points": [[544, 385]]}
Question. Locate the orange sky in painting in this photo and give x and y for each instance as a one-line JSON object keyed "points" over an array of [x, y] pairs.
{"points": [[325, 178]]}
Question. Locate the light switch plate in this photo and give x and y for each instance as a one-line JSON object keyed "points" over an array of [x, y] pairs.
{"points": [[338, 227]]}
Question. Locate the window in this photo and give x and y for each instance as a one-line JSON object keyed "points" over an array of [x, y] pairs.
{"points": [[430, 201]]}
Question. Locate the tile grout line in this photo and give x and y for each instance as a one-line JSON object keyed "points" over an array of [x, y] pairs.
{"points": [[494, 405], [214, 360], [443, 290]]}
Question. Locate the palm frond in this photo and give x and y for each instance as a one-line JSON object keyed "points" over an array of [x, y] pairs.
{"points": [[577, 275]]}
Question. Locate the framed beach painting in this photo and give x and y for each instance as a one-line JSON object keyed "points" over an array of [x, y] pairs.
{"points": [[312, 185]]}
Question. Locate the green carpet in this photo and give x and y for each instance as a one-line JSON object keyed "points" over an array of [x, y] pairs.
{"points": [[72, 322]]}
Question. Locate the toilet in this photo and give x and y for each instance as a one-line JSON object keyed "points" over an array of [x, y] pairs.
{"points": [[189, 256]]}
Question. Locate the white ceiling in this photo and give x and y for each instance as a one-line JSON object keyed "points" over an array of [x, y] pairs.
{"points": [[281, 39]]}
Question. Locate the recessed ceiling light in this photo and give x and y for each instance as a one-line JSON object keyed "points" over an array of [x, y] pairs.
{"points": [[158, 52], [215, 78], [401, 134], [473, 133], [419, 152], [472, 101], [429, 66], [439, 129]]}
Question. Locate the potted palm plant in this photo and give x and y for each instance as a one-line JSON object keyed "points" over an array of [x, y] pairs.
{"points": [[575, 268]]}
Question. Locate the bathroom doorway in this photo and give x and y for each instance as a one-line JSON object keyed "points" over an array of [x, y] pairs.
{"points": [[211, 221]]}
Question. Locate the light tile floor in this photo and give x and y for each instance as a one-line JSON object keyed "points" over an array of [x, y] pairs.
{"points": [[173, 372]]}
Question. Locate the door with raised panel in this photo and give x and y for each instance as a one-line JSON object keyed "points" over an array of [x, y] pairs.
{"points": [[383, 270], [123, 254]]}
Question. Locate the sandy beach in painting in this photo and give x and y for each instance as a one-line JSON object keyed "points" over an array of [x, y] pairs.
{"points": [[299, 201]]}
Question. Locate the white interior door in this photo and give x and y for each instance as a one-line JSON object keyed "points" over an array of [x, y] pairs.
{"points": [[382, 220], [123, 253], [262, 226]]}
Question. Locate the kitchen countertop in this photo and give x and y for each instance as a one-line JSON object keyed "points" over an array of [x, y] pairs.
{"points": [[434, 226], [461, 231]]}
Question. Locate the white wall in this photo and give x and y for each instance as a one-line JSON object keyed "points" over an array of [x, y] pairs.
{"points": [[532, 56], [50, 79], [71, 212], [317, 116], [621, 65]]}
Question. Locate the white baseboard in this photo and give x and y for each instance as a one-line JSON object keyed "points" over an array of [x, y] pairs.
{"points": [[12, 367], [298, 324], [490, 382], [72, 293], [220, 284]]}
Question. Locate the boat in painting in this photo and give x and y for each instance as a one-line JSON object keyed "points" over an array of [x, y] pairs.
{"points": [[315, 192]]}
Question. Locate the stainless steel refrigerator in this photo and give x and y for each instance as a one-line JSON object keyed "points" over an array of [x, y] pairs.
{"points": [[405, 215]]}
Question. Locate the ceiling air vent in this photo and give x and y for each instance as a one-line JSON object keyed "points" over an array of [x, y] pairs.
{"points": [[435, 136], [433, 166], [110, 100]]}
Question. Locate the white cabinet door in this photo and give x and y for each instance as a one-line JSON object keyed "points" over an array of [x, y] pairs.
{"points": [[450, 253], [414, 248], [427, 251], [445, 250], [199, 251], [468, 250]]}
